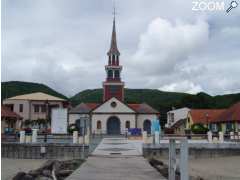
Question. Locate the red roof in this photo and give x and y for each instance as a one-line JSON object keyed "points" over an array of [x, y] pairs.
{"points": [[134, 106], [231, 114], [7, 113], [92, 105], [138, 108], [143, 108], [205, 116]]}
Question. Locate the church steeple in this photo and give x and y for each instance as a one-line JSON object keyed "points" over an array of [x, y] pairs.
{"points": [[113, 47], [113, 86]]}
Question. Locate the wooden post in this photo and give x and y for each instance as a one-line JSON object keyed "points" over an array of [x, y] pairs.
{"points": [[22, 136], [172, 159], [184, 160], [75, 137]]}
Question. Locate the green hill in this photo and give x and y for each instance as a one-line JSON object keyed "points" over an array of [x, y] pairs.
{"points": [[160, 100], [151, 96], [14, 88]]}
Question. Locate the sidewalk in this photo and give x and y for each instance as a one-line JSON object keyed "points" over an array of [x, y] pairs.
{"points": [[116, 159]]}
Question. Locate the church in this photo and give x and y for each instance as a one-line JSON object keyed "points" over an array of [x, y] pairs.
{"points": [[113, 115]]}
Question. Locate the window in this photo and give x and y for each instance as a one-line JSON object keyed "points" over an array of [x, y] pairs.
{"points": [[109, 60], [117, 60], [36, 108], [113, 59], [99, 125], [127, 124], [113, 104], [116, 73], [110, 74], [10, 106], [229, 126], [172, 117], [214, 127], [43, 108], [20, 107]]}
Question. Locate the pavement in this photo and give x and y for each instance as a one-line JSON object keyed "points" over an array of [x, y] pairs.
{"points": [[116, 159], [118, 146]]}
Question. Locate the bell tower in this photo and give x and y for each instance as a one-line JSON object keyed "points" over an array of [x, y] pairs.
{"points": [[113, 86]]}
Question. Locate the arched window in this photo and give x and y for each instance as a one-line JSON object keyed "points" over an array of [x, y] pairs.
{"points": [[99, 125], [127, 124], [113, 59], [109, 60], [117, 60]]}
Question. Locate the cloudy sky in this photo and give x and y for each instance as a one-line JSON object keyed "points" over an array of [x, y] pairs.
{"points": [[164, 44]]}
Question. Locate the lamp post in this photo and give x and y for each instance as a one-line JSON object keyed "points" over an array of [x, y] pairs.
{"points": [[47, 116], [207, 115]]}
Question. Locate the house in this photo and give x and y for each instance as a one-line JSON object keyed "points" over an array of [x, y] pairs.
{"points": [[10, 121], [114, 115], [228, 120], [179, 126], [176, 115], [34, 106], [202, 116]]}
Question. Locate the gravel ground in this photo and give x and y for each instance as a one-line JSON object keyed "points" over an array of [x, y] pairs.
{"points": [[11, 167], [222, 168]]}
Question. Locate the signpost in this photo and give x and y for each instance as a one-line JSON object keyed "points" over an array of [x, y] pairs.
{"points": [[59, 121], [83, 125]]}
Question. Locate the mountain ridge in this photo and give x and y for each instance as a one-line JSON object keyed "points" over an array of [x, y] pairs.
{"points": [[160, 100]]}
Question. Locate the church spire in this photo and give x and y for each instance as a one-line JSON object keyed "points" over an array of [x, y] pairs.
{"points": [[113, 47], [113, 86]]}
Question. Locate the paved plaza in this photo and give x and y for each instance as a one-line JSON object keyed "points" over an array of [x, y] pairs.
{"points": [[116, 159]]}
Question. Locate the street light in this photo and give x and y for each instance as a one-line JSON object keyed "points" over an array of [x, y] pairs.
{"points": [[207, 115], [47, 116]]}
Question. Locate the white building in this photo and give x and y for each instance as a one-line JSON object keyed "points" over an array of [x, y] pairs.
{"points": [[113, 116], [175, 115]]}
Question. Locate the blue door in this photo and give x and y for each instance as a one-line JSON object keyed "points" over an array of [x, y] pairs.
{"points": [[113, 125], [147, 126]]}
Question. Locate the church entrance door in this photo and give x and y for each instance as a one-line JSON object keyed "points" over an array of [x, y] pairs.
{"points": [[113, 125]]}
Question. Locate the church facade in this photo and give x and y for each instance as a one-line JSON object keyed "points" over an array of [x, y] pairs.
{"points": [[113, 115]]}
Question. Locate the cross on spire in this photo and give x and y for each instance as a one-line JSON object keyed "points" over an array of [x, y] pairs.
{"points": [[114, 10], [113, 47]]}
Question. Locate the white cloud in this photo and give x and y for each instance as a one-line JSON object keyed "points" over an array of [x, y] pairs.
{"points": [[166, 44], [183, 86], [63, 44]]}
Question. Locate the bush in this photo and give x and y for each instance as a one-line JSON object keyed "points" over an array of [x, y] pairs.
{"points": [[72, 128], [27, 122], [199, 129]]}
